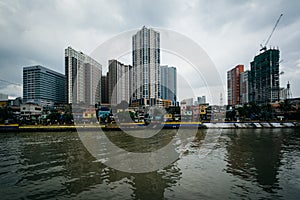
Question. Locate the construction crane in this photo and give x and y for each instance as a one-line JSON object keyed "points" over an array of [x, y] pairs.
{"points": [[263, 48]]}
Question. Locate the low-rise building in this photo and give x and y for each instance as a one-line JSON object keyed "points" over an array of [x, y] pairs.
{"points": [[29, 110], [166, 103]]}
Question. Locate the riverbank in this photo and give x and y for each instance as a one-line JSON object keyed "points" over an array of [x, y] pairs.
{"points": [[114, 127]]}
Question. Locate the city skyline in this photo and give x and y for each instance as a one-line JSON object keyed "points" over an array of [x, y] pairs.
{"points": [[212, 26], [83, 81], [241, 89]]}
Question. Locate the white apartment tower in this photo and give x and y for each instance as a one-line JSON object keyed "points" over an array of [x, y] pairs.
{"points": [[83, 76], [93, 74], [146, 67], [119, 82]]}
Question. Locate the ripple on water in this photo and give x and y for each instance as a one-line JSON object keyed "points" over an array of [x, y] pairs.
{"points": [[241, 164]]}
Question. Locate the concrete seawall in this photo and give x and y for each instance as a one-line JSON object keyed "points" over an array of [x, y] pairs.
{"points": [[222, 125], [245, 125]]}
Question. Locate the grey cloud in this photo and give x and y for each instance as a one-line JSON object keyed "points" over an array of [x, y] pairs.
{"points": [[246, 15], [36, 32], [151, 13]]}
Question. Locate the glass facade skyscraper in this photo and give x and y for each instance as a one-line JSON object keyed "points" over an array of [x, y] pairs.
{"points": [[168, 83], [43, 86]]}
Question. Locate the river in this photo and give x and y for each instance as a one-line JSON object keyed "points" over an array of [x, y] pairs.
{"points": [[242, 164]]}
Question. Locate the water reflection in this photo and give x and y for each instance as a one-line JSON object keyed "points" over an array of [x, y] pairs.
{"points": [[255, 164], [141, 145], [255, 155], [84, 173], [153, 185], [57, 164]]}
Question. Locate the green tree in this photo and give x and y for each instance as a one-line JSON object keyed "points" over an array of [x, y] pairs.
{"points": [[285, 106], [54, 117]]}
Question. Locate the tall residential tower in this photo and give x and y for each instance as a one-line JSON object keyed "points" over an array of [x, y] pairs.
{"points": [[146, 67], [119, 82], [233, 85], [83, 75]]}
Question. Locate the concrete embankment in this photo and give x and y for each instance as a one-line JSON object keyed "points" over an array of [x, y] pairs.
{"points": [[114, 127], [53, 128], [233, 125]]}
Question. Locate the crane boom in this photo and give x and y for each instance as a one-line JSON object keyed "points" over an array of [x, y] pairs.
{"points": [[267, 41]]}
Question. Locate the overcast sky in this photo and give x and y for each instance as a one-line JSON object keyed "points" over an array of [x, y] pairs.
{"points": [[231, 31]]}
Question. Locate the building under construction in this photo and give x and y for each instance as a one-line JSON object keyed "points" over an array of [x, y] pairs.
{"points": [[264, 82]]}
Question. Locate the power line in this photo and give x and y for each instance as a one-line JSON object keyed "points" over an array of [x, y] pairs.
{"points": [[18, 84]]}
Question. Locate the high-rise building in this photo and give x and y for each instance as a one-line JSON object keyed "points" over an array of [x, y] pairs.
{"points": [[233, 85], [74, 71], [43, 86], [201, 100], [265, 86], [119, 82], [146, 67], [168, 83], [83, 75], [164, 75], [244, 87], [104, 89], [92, 81], [3, 97], [188, 101]]}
